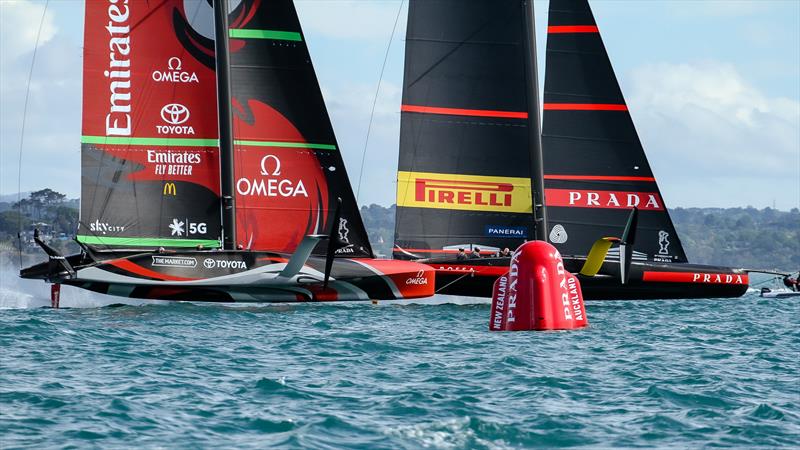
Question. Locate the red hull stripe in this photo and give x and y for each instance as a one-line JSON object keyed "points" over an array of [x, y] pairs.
{"points": [[584, 107], [597, 178], [559, 29], [695, 277], [124, 264], [458, 269], [428, 250], [464, 112]]}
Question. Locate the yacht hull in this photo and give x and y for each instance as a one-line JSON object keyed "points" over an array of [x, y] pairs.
{"points": [[647, 280], [242, 276]]}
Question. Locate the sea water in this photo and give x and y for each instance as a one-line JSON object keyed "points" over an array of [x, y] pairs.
{"points": [[667, 374]]}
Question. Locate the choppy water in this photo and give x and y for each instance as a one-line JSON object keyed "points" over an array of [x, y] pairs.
{"points": [[645, 374]]}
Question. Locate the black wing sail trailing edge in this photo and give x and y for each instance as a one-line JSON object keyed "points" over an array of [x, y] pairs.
{"points": [[288, 169], [595, 167], [465, 167]]}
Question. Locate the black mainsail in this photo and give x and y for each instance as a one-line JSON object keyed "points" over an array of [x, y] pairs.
{"points": [[595, 166], [469, 121], [468, 134]]}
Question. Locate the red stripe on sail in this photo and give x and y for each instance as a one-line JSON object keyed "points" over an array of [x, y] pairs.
{"points": [[581, 198], [597, 178], [695, 277], [584, 107], [560, 29], [464, 112]]}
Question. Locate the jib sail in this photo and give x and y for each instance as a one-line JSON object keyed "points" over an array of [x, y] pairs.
{"points": [[288, 171], [465, 165], [149, 150], [595, 167]]}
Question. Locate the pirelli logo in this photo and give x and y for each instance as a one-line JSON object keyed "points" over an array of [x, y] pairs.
{"points": [[463, 192]]}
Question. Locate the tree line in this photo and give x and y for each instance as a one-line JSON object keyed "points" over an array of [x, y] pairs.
{"points": [[739, 237]]}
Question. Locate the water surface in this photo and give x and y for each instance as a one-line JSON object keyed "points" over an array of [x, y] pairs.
{"points": [[697, 373]]}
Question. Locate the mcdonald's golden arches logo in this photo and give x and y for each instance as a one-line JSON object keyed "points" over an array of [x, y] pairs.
{"points": [[170, 189]]}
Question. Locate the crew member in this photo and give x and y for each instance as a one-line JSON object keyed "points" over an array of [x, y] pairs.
{"points": [[791, 283], [476, 253], [461, 254], [506, 253]]}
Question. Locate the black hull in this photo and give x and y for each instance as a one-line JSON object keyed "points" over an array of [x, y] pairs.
{"points": [[648, 281], [239, 276]]}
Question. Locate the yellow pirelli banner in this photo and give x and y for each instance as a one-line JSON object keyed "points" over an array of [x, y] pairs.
{"points": [[464, 192]]}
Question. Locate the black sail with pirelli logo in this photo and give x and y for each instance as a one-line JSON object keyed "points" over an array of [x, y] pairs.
{"points": [[468, 122], [595, 167]]}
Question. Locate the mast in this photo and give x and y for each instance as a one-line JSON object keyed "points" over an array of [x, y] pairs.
{"points": [[223, 63], [534, 127]]}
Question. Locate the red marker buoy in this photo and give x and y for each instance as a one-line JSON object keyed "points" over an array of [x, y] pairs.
{"points": [[537, 293], [55, 295]]}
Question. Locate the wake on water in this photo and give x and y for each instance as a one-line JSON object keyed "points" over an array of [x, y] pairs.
{"points": [[18, 293]]}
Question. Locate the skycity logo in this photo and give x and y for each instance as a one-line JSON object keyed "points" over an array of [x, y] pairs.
{"points": [[105, 227], [464, 192], [174, 74], [271, 186], [174, 114]]}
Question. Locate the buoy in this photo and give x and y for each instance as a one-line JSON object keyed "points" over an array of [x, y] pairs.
{"points": [[55, 295], [537, 293]]}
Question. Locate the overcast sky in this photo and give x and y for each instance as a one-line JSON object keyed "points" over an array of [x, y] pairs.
{"points": [[713, 87]]}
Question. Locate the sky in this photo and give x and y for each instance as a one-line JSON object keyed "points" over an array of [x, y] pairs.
{"points": [[713, 87]]}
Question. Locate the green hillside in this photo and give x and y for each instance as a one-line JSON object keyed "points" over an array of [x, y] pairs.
{"points": [[738, 237]]}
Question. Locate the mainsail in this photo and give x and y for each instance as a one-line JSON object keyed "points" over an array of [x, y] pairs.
{"points": [[468, 125], [595, 167], [149, 153], [288, 171], [150, 146]]}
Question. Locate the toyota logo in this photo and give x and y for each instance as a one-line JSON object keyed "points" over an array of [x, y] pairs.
{"points": [[209, 263], [175, 113]]}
